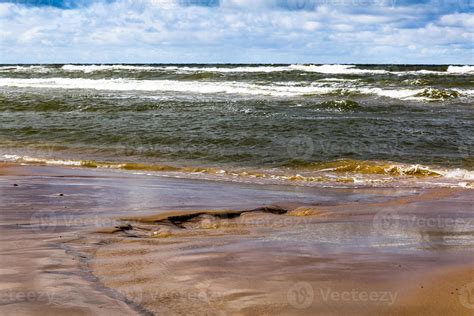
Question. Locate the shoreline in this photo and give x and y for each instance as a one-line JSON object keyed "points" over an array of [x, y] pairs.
{"points": [[237, 264], [342, 173]]}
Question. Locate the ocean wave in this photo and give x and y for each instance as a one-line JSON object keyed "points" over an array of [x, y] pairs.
{"points": [[338, 80], [207, 87], [31, 68], [370, 167], [276, 89], [401, 94], [247, 69], [438, 94], [178, 69], [164, 85], [336, 69], [94, 68], [338, 172], [340, 105], [458, 173], [33, 160], [461, 69]]}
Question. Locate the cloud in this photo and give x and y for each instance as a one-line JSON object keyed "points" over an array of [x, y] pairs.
{"points": [[63, 4], [279, 31]]}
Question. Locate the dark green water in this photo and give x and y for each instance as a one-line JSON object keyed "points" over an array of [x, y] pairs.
{"points": [[276, 118]]}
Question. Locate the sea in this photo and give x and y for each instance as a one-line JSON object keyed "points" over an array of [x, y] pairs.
{"points": [[328, 125]]}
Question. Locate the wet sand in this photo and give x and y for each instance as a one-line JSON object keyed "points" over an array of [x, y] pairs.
{"points": [[90, 242]]}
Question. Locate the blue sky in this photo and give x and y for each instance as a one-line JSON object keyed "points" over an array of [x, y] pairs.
{"points": [[237, 31]]}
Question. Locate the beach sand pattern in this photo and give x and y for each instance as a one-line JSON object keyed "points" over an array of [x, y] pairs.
{"points": [[112, 241]]}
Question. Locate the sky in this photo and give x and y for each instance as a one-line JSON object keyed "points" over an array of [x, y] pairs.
{"points": [[237, 31]]}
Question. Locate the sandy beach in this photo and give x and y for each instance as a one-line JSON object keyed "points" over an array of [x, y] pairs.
{"points": [[236, 158], [89, 242]]}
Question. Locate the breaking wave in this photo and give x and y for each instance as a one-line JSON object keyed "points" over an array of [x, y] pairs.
{"points": [[336, 69], [438, 94], [356, 172], [286, 89], [323, 69], [461, 69], [340, 105]]}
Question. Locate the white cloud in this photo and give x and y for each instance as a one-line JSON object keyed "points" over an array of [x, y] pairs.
{"points": [[237, 31], [460, 19]]}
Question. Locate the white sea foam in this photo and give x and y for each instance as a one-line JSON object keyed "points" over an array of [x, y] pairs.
{"points": [[283, 89], [248, 69], [164, 85], [178, 69], [447, 177], [93, 68], [323, 69], [339, 80], [336, 69], [392, 93], [465, 92], [461, 69], [27, 159], [461, 174], [32, 68]]}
